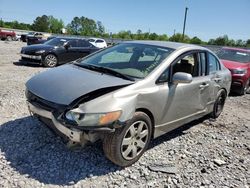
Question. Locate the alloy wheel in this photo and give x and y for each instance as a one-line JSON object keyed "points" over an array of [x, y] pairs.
{"points": [[134, 140], [51, 60]]}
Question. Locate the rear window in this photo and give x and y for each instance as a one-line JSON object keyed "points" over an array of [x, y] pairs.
{"points": [[234, 55]]}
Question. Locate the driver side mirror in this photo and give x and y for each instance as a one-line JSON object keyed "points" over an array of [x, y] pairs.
{"points": [[66, 45], [182, 77]]}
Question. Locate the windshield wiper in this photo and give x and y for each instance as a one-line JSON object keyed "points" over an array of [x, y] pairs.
{"points": [[104, 70]]}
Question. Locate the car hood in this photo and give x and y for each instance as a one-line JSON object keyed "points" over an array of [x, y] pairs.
{"points": [[36, 47], [234, 64], [64, 84]]}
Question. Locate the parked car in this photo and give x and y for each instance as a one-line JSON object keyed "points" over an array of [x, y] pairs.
{"points": [[18, 37], [238, 62], [57, 51], [7, 35], [24, 36], [100, 43], [128, 94]]}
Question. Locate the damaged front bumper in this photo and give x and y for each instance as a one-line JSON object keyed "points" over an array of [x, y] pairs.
{"points": [[73, 135]]}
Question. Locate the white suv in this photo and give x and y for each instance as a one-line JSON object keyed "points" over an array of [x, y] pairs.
{"points": [[99, 43]]}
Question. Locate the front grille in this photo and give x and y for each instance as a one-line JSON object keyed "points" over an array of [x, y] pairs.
{"points": [[44, 104]]}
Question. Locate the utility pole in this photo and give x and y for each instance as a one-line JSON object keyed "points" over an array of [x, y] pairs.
{"points": [[184, 24]]}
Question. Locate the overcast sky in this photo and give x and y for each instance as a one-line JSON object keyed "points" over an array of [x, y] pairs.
{"points": [[206, 19]]}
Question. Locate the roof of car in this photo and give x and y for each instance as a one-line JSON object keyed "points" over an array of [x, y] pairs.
{"points": [[67, 38], [237, 49], [173, 45]]}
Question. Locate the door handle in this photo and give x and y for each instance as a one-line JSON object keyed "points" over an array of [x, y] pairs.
{"points": [[217, 79], [203, 85]]}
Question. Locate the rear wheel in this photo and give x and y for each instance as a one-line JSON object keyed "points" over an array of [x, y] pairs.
{"points": [[126, 145], [219, 104], [9, 38], [50, 60]]}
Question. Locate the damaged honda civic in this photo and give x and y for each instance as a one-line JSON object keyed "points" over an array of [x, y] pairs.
{"points": [[128, 94]]}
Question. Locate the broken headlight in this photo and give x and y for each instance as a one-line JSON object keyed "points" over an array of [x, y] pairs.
{"points": [[93, 119]]}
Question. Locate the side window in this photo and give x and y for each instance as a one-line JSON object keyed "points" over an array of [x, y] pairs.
{"points": [[164, 76], [99, 41], [188, 64], [214, 64], [83, 43], [73, 43]]}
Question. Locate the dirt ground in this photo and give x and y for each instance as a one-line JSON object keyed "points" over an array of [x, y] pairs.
{"points": [[205, 153]]}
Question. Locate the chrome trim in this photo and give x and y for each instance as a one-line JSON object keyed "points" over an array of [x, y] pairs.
{"points": [[36, 57], [73, 135]]}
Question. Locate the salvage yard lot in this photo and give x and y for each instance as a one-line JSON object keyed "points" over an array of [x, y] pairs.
{"points": [[204, 153]]}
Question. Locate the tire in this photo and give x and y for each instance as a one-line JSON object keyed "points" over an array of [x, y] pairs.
{"points": [[246, 88], [125, 146], [219, 104], [50, 60], [9, 38]]}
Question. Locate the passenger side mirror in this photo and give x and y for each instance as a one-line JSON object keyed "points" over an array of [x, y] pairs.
{"points": [[181, 77]]}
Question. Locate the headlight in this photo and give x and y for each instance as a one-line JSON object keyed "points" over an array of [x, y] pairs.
{"points": [[93, 119], [239, 71], [40, 51]]}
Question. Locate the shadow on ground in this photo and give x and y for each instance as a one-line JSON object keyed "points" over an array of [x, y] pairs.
{"points": [[32, 149], [26, 63]]}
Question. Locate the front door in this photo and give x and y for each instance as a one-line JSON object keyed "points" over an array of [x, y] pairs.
{"points": [[186, 100]]}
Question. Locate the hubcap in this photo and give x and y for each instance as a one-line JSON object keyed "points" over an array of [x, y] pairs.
{"points": [[134, 140], [51, 60]]}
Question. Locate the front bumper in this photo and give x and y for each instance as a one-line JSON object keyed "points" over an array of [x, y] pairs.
{"points": [[73, 135], [33, 57], [238, 82]]}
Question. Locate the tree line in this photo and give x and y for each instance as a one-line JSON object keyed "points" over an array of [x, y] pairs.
{"points": [[88, 27]]}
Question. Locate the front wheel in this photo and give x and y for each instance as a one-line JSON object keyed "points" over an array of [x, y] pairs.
{"points": [[126, 145], [50, 60], [246, 88], [219, 104]]}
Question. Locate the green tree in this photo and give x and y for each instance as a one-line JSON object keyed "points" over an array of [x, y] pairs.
{"points": [[240, 43], [221, 41], [100, 28], [195, 40], [41, 24], [163, 37], [179, 38], [248, 43], [75, 26], [88, 26], [55, 25]]}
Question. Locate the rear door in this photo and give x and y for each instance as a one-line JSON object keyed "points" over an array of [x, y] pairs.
{"points": [[84, 48], [71, 53], [215, 74]]}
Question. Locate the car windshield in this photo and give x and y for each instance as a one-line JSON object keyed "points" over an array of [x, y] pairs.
{"points": [[56, 42], [129, 59], [234, 55]]}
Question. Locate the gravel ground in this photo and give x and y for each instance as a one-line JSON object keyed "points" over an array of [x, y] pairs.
{"points": [[204, 153]]}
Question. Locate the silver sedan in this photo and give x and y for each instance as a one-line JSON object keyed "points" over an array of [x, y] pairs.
{"points": [[128, 94]]}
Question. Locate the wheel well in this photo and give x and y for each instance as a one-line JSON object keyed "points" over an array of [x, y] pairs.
{"points": [[225, 91], [50, 53], [146, 111]]}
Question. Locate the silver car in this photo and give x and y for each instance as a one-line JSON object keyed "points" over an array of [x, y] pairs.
{"points": [[128, 94]]}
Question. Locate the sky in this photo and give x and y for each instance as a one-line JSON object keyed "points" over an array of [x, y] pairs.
{"points": [[205, 18]]}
